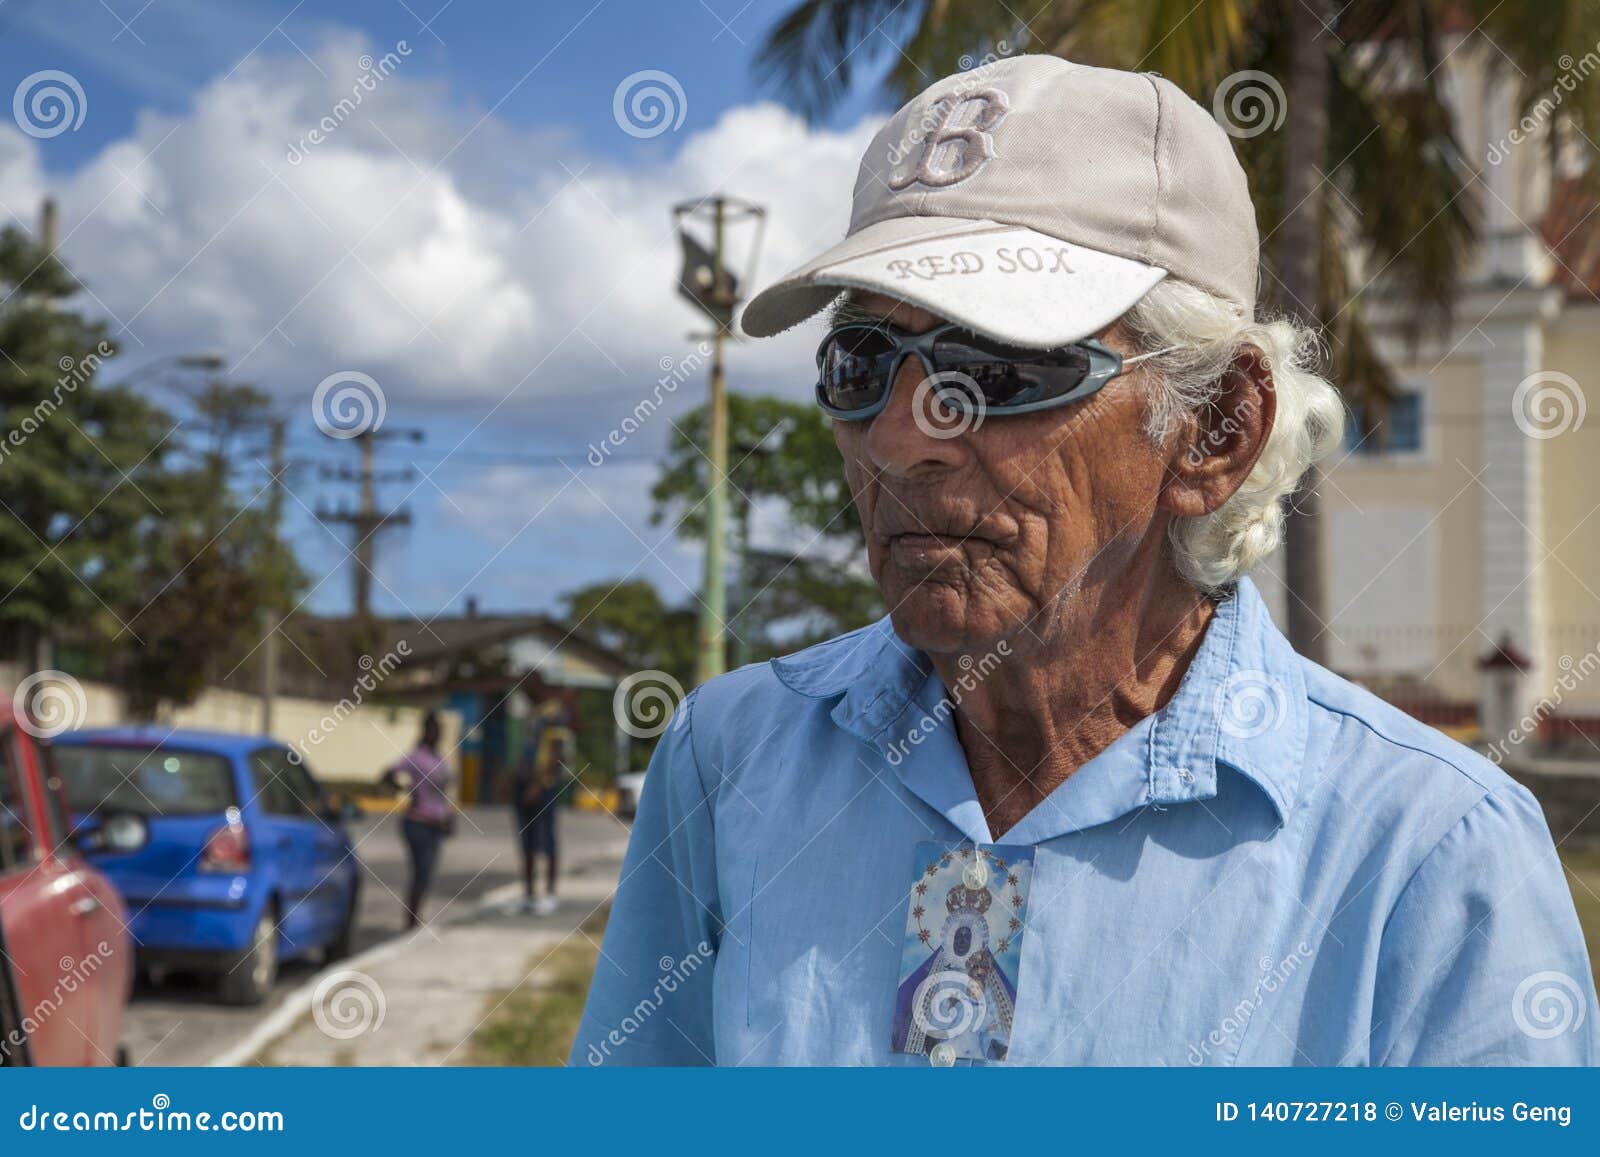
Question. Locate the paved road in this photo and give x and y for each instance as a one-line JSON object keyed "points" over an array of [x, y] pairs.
{"points": [[178, 1021]]}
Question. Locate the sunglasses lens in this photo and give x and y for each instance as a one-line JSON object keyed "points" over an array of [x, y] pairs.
{"points": [[1009, 376], [855, 367]]}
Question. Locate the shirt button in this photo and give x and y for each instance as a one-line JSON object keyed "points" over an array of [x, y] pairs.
{"points": [[975, 875], [943, 1055]]}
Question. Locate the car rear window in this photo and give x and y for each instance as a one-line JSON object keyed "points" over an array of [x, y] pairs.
{"points": [[150, 781]]}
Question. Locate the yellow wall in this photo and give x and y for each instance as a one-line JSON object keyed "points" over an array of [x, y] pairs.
{"points": [[1439, 478], [349, 743], [1570, 527]]}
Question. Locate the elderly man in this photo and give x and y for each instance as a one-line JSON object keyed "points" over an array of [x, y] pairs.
{"points": [[1075, 800]]}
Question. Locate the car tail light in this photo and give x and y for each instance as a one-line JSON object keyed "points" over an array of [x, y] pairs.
{"points": [[227, 850]]}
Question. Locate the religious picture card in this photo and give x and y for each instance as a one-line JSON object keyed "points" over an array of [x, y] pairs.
{"points": [[966, 915]]}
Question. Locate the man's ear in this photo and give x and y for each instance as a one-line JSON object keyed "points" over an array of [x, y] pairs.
{"points": [[1216, 449]]}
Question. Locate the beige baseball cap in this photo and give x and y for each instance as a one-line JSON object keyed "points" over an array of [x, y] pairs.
{"points": [[1035, 201]]}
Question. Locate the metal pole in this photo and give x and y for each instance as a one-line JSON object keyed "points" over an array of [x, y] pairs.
{"points": [[44, 648], [712, 661], [269, 642], [366, 526]]}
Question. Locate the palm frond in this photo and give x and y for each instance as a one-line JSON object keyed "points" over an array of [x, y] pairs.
{"points": [[1388, 121], [815, 53], [953, 37], [1550, 52], [1194, 45], [1362, 375]]}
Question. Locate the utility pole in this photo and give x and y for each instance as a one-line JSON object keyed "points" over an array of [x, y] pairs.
{"points": [[708, 284], [44, 649], [367, 522], [50, 226], [712, 656], [269, 639]]}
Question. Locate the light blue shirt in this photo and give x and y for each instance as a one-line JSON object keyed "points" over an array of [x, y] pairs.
{"points": [[1277, 868]]}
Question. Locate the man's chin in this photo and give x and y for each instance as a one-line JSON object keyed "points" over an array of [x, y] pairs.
{"points": [[940, 619]]}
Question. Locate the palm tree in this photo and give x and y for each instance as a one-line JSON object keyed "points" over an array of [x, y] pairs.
{"points": [[1352, 158]]}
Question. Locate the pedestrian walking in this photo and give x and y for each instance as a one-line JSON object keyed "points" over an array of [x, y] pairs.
{"points": [[429, 817], [541, 774]]}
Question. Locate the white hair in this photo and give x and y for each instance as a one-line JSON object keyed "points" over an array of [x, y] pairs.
{"points": [[1202, 335]]}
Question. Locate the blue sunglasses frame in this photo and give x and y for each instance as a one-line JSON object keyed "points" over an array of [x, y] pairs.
{"points": [[1105, 364]]}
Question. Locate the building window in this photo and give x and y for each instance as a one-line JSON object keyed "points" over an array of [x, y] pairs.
{"points": [[1392, 429]]}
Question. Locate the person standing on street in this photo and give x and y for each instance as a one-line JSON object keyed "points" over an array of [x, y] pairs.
{"points": [[429, 816], [541, 773]]}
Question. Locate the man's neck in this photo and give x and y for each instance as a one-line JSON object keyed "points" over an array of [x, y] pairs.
{"points": [[1069, 685]]}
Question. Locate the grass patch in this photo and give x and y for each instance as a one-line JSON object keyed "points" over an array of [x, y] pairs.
{"points": [[1583, 876], [535, 1023]]}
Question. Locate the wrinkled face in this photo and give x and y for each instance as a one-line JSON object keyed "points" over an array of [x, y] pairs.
{"points": [[993, 533]]}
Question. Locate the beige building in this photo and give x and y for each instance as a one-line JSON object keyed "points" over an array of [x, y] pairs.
{"points": [[1480, 519]]}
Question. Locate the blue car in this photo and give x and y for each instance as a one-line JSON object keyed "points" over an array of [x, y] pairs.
{"points": [[230, 856]]}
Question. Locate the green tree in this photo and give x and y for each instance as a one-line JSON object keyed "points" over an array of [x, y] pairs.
{"points": [[1364, 177], [145, 567], [200, 592], [782, 453], [211, 568], [81, 464], [633, 620]]}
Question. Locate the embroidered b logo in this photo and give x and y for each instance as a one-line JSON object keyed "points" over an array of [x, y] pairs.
{"points": [[959, 143]]}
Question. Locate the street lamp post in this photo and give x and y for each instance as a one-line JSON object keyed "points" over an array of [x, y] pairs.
{"points": [[707, 283]]}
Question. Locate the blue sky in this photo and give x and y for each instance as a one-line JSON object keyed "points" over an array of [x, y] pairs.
{"points": [[535, 62], [482, 237]]}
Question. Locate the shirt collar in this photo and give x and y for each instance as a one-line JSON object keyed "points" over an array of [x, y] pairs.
{"points": [[1241, 704]]}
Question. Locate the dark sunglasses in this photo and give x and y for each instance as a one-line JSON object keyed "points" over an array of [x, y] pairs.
{"points": [[857, 363]]}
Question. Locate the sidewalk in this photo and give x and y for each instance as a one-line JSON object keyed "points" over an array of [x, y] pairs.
{"points": [[417, 1000]]}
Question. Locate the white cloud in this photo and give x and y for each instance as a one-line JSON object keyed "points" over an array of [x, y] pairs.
{"points": [[449, 261], [508, 285]]}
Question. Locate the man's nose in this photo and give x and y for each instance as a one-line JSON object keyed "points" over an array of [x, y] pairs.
{"points": [[914, 433]]}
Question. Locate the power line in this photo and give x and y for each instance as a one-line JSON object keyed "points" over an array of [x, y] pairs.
{"points": [[366, 521]]}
